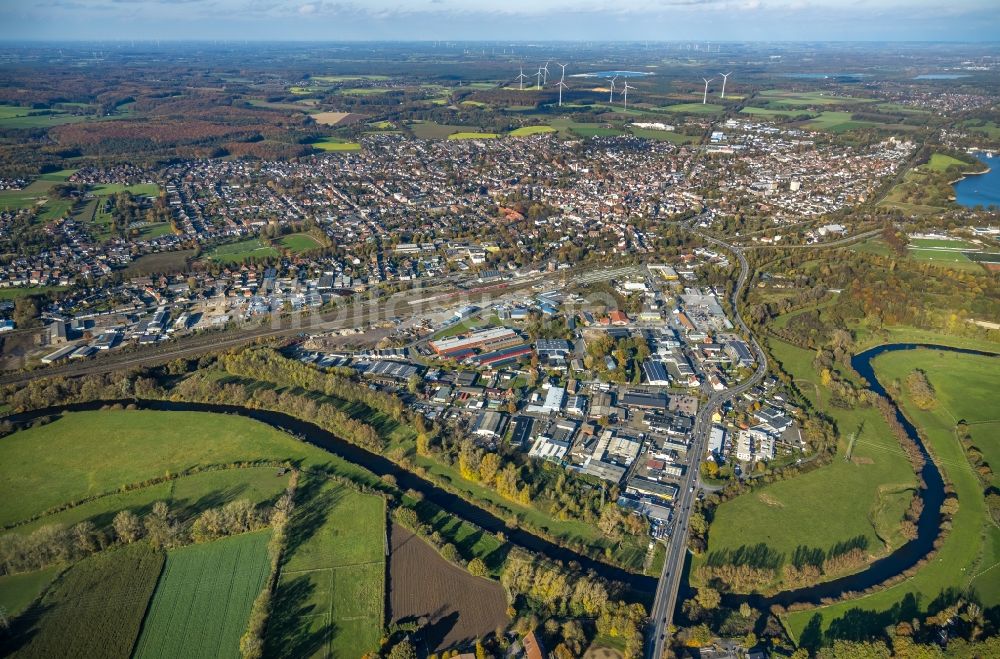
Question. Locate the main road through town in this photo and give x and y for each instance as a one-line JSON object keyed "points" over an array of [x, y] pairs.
{"points": [[670, 578]]}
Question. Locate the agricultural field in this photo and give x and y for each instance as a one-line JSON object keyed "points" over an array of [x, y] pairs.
{"points": [[772, 112], [128, 446], [664, 135], [330, 118], [13, 116], [203, 598], [878, 476], [17, 591], [336, 146], [836, 122], [524, 131], [330, 598], [779, 97], [430, 130], [95, 609], [964, 388], [459, 607], [162, 262], [695, 108], [473, 136]]}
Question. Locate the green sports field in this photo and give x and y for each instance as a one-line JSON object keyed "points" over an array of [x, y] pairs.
{"points": [[203, 598], [965, 387], [332, 587]]}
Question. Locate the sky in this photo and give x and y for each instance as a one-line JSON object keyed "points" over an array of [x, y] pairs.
{"points": [[335, 20]]}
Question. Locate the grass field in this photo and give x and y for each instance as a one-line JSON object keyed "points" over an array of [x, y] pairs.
{"points": [[187, 496], [836, 122], [663, 135], [139, 189], [940, 162], [12, 293], [524, 131], [793, 99], [95, 609], [129, 446], [17, 591], [330, 597], [13, 116], [773, 112], [470, 541], [299, 242], [989, 128], [332, 146], [801, 510], [473, 136], [695, 108], [37, 194], [203, 599], [242, 251], [970, 556], [162, 262]]}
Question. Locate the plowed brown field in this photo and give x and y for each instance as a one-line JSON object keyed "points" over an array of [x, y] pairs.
{"points": [[458, 607]]}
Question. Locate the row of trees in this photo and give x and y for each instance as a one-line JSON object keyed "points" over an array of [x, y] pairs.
{"points": [[269, 365], [54, 544]]}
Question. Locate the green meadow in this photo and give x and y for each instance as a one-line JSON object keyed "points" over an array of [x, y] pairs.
{"points": [[965, 387]]}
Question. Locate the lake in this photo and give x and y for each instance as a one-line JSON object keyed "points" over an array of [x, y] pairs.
{"points": [[980, 189], [612, 74]]}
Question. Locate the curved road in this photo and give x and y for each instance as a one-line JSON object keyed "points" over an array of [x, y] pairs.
{"points": [[665, 602]]}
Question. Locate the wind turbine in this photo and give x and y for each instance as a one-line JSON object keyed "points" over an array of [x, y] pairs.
{"points": [[625, 93], [545, 72], [611, 96], [704, 99], [562, 85], [725, 77], [520, 80], [538, 79]]}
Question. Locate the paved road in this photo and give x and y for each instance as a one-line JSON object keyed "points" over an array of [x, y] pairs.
{"points": [[665, 602]]}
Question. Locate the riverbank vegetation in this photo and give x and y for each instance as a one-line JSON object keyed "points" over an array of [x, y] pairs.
{"points": [[967, 558], [140, 490]]}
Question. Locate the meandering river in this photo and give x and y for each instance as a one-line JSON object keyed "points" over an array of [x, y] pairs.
{"points": [[932, 494], [881, 570]]}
